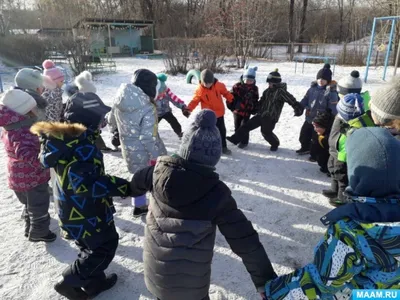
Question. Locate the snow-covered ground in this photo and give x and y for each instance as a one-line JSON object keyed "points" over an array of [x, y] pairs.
{"points": [[279, 192]]}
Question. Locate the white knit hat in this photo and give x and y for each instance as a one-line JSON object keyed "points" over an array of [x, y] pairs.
{"points": [[351, 84], [18, 101], [84, 82]]}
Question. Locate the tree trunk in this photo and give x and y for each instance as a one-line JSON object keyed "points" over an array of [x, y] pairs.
{"points": [[341, 12], [291, 18], [303, 25]]}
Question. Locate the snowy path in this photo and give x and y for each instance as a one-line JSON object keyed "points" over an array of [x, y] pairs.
{"points": [[279, 192]]}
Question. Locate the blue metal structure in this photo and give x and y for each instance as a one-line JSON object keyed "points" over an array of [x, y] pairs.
{"points": [[389, 48]]}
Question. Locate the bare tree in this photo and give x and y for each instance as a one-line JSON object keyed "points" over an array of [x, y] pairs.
{"points": [[303, 25], [291, 32]]}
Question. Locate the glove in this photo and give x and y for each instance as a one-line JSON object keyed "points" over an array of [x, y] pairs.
{"points": [[298, 110], [186, 112], [152, 162]]}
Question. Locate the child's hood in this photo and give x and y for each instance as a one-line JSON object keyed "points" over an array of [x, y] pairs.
{"points": [[9, 117], [58, 130], [131, 98]]}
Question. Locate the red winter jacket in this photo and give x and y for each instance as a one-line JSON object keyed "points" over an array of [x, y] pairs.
{"points": [[22, 147]]}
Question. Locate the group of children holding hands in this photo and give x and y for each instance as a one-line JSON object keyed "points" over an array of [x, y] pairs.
{"points": [[188, 200]]}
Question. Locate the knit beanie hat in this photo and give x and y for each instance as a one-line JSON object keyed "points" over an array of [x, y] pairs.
{"points": [[385, 102], [18, 101], [51, 71], [250, 73], [323, 120], [207, 76], [29, 79], [325, 73], [201, 142], [350, 107], [162, 78], [147, 81], [373, 163], [84, 82], [350, 84], [71, 89], [87, 109], [274, 77]]}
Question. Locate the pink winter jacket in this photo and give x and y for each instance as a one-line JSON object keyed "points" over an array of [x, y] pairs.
{"points": [[22, 147]]}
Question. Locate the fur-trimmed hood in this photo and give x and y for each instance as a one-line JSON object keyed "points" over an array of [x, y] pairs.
{"points": [[56, 129]]}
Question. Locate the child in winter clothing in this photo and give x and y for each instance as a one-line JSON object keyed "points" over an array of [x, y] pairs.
{"points": [[165, 96], [33, 82], [83, 194], [337, 163], [245, 101], [320, 97], [209, 93], [188, 202], [26, 177], [269, 111], [134, 114], [361, 246], [320, 146], [53, 97]]}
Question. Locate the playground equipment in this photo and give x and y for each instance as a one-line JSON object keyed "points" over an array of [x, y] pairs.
{"points": [[325, 59], [382, 45], [192, 73]]}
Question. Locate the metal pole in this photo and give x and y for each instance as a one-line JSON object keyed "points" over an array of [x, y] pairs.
{"points": [[371, 47], [109, 35], [130, 36], [389, 49], [1, 85], [397, 59]]}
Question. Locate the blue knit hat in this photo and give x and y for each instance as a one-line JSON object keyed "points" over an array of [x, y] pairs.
{"points": [[250, 73], [350, 107], [201, 142], [162, 78], [373, 163]]}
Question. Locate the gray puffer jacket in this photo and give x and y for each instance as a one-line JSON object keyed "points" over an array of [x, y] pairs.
{"points": [[188, 202], [135, 117]]}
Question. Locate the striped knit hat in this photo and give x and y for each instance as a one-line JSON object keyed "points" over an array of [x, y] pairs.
{"points": [[274, 77], [350, 107]]}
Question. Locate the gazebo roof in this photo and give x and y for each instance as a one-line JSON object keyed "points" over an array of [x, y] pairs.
{"points": [[115, 22]]}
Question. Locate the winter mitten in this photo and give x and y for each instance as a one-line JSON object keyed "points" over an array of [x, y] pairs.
{"points": [[186, 112], [152, 162], [298, 110], [139, 201]]}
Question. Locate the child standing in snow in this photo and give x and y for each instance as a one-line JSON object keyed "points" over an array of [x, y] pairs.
{"points": [[165, 96], [209, 93], [245, 101], [351, 108], [134, 114], [33, 82], [360, 248], [26, 177], [269, 111], [320, 145], [83, 194], [188, 202], [53, 96], [320, 97]]}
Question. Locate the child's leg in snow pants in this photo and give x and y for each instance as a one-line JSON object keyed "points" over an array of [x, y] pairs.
{"points": [[171, 119], [37, 218], [89, 268]]}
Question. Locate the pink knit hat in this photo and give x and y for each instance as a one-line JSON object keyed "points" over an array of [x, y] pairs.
{"points": [[52, 71]]}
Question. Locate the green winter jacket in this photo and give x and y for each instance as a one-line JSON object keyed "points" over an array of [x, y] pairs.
{"points": [[364, 120]]}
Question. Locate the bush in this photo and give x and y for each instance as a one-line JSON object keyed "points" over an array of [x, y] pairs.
{"points": [[22, 50], [354, 55], [202, 53]]}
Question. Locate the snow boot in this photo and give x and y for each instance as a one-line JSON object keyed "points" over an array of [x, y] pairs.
{"points": [[329, 194], [180, 135], [96, 287], [242, 146], [336, 202], [50, 237], [226, 151], [312, 159], [273, 148], [69, 292], [27, 225], [140, 211], [230, 139], [302, 151]]}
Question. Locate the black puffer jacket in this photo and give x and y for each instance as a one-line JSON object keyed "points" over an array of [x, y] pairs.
{"points": [[188, 202]]}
